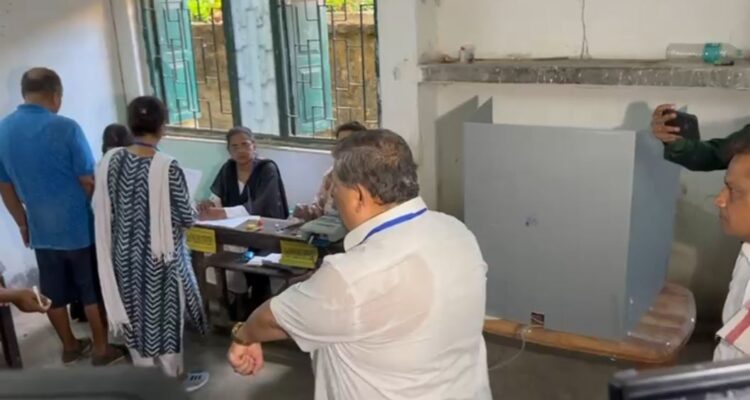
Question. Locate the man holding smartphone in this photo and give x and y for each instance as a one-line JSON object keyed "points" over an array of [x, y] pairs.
{"points": [[707, 155], [733, 204]]}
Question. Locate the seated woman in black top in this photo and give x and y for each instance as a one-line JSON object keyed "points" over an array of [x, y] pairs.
{"points": [[247, 185]]}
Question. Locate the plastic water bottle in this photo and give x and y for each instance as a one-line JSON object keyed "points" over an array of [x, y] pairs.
{"points": [[710, 53]]}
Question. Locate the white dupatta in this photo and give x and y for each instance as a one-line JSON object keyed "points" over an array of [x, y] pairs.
{"points": [[162, 241]]}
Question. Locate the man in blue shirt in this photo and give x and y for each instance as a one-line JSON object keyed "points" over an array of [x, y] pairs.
{"points": [[46, 182]]}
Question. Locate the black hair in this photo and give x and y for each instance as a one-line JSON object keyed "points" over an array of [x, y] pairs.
{"points": [[354, 126], [116, 135], [240, 130], [40, 80], [146, 115]]}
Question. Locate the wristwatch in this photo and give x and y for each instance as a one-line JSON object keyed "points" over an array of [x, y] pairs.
{"points": [[236, 337]]}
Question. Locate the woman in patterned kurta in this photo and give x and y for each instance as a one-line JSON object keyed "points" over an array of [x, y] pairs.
{"points": [[157, 295]]}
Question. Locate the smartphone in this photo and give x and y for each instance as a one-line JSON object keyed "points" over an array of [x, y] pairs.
{"points": [[688, 124]]}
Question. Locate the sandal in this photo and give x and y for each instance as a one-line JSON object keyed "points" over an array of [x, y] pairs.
{"points": [[73, 356], [114, 355], [195, 380]]}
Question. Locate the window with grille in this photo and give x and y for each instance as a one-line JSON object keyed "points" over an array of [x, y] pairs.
{"points": [[290, 68]]}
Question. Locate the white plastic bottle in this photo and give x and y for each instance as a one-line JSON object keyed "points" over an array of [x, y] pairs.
{"points": [[711, 53]]}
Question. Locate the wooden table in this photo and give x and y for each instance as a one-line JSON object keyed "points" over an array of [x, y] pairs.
{"points": [[267, 239], [656, 340]]}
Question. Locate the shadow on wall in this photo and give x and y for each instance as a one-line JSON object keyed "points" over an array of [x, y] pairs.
{"points": [[13, 97], [18, 266], [449, 148], [702, 255]]}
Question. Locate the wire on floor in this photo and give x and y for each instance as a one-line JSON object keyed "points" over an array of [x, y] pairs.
{"points": [[502, 364], [584, 37]]}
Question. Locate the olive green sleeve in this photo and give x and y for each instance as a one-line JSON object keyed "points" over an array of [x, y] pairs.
{"points": [[707, 155]]}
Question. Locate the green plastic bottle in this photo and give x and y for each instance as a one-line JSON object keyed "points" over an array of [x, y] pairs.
{"points": [[710, 53]]}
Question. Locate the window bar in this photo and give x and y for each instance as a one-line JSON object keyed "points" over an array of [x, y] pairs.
{"points": [[289, 17], [279, 50], [217, 64], [203, 45], [334, 64], [318, 6], [182, 11], [376, 59], [364, 67], [170, 49], [210, 114], [227, 18]]}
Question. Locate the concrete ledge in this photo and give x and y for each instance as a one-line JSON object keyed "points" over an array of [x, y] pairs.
{"points": [[592, 72]]}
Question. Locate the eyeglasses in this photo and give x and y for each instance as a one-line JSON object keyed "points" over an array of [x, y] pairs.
{"points": [[246, 145]]}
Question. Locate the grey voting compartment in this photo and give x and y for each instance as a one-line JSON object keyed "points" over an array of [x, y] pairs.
{"points": [[575, 224]]}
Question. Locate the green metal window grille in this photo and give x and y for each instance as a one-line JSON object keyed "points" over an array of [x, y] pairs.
{"points": [[290, 68]]}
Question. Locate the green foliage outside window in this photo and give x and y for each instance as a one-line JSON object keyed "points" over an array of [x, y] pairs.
{"points": [[351, 5], [202, 10]]}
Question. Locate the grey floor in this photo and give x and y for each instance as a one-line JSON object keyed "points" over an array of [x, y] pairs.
{"points": [[535, 374]]}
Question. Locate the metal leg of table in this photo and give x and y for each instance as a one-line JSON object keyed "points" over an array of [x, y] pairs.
{"points": [[219, 317], [199, 268]]}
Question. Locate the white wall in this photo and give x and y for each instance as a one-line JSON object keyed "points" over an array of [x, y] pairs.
{"points": [[615, 28], [75, 38], [414, 30], [406, 36]]}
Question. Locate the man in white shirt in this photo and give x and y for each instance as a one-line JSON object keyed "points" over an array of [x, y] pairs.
{"points": [[400, 314], [734, 209]]}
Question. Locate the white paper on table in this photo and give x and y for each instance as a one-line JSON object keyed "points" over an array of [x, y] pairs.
{"points": [[258, 260], [193, 179], [229, 223]]}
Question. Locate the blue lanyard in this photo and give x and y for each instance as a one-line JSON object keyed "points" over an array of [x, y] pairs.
{"points": [[393, 222]]}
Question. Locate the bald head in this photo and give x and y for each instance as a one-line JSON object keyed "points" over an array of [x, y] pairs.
{"points": [[43, 87], [40, 81]]}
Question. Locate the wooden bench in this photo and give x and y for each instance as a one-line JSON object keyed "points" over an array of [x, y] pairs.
{"points": [[656, 341]]}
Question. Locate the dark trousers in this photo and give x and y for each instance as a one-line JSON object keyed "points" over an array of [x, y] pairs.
{"points": [[66, 276], [77, 312], [242, 306]]}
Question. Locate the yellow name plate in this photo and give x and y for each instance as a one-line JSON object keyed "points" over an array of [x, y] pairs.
{"points": [[298, 254], [201, 239]]}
